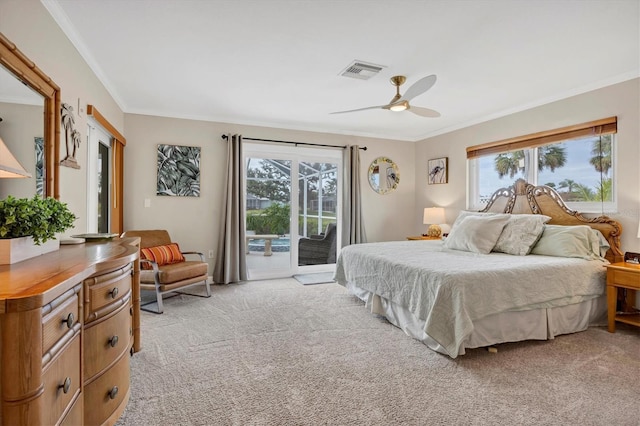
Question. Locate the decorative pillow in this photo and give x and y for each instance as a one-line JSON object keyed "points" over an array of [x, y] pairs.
{"points": [[476, 233], [568, 241], [162, 255], [521, 233]]}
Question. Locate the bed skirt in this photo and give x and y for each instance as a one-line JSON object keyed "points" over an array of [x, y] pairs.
{"points": [[513, 326]]}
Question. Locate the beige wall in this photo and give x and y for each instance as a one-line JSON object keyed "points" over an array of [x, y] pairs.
{"points": [[30, 26], [621, 100], [193, 221], [388, 217]]}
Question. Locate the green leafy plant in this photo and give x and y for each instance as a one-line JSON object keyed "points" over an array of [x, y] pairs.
{"points": [[37, 217], [272, 220]]}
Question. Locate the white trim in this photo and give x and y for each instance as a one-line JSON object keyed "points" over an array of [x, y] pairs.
{"points": [[95, 135]]}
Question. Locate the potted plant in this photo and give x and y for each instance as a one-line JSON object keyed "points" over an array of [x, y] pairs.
{"points": [[28, 226]]}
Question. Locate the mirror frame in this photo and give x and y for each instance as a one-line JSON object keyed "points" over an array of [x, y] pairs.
{"points": [[374, 168], [26, 71]]}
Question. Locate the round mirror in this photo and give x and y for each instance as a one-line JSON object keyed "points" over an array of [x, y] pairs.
{"points": [[384, 176]]}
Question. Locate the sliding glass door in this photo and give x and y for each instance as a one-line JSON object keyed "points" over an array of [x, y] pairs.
{"points": [[292, 209]]}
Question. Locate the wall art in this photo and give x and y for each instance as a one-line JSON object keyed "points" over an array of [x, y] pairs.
{"points": [[178, 171], [438, 170], [39, 144], [71, 136]]}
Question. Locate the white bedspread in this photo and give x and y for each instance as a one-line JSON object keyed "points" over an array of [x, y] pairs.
{"points": [[449, 289]]}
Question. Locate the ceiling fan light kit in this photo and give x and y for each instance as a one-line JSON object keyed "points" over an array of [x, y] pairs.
{"points": [[400, 106], [401, 102]]}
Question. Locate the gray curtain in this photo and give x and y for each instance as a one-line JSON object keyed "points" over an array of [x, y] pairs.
{"points": [[231, 262], [352, 223]]}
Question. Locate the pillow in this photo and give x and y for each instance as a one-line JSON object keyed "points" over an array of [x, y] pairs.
{"points": [[568, 241], [521, 233], [475, 233], [603, 243], [162, 255], [466, 213]]}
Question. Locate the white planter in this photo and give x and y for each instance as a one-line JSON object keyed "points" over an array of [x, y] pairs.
{"points": [[15, 250]]}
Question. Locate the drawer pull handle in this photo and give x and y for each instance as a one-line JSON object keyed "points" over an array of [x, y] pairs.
{"points": [[131, 351], [113, 392], [68, 321], [66, 385], [113, 341], [114, 293]]}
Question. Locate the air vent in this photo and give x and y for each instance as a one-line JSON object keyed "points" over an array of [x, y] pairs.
{"points": [[361, 70]]}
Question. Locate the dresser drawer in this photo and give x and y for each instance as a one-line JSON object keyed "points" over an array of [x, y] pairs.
{"points": [[106, 292], [104, 395], [105, 340], [61, 380], [59, 318], [625, 278], [75, 414]]}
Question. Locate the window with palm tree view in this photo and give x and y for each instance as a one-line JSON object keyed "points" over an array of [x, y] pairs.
{"points": [[581, 171]]}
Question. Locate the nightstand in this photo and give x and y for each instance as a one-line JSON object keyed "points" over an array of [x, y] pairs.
{"points": [[622, 275], [422, 237]]}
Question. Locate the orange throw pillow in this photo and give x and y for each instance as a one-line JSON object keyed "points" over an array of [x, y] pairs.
{"points": [[162, 255]]}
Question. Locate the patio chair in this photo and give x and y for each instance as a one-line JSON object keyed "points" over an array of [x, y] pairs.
{"points": [[164, 268], [318, 249]]}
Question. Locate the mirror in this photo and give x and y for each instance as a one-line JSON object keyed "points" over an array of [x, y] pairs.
{"points": [[384, 175], [14, 62]]}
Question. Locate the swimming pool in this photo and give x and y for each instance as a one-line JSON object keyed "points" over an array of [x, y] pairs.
{"points": [[277, 245]]}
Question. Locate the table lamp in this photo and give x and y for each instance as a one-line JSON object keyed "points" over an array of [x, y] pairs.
{"points": [[9, 166], [433, 216]]}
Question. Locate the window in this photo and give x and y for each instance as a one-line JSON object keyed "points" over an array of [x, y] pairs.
{"points": [[577, 161]]}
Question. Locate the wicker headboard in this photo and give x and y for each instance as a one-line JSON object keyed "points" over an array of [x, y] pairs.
{"points": [[524, 198]]}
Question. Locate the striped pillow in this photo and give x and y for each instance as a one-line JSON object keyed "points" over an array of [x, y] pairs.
{"points": [[162, 255]]}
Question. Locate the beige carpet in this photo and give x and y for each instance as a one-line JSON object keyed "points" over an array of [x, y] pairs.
{"points": [[279, 353]]}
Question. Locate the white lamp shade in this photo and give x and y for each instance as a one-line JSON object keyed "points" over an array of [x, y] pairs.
{"points": [[433, 215], [9, 166]]}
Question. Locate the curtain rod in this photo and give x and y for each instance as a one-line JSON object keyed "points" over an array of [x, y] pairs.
{"points": [[364, 148]]}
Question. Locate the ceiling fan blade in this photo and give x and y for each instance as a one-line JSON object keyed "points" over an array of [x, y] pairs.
{"points": [[359, 109], [424, 112], [419, 87]]}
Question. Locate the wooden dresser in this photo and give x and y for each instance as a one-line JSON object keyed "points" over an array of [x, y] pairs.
{"points": [[69, 321]]}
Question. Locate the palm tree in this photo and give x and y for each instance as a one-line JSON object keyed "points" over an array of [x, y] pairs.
{"points": [[551, 157], [569, 184], [604, 188], [76, 138], [509, 163], [601, 154], [584, 193], [66, 115]]}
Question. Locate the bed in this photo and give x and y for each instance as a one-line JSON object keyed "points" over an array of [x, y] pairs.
{"points": [[526, 267]]}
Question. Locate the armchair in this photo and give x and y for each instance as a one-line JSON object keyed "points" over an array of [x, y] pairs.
{"points": [[164, 268], [318, 249]]}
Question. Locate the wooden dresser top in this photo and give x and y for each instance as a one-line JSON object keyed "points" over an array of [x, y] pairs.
{"points": [[33, 283]]}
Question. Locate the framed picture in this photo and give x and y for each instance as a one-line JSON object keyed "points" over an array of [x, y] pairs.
{"points": [[178, 171], [438, 170], [39, 143]]}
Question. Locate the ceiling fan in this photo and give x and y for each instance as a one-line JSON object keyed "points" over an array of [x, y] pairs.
{"points": [[401, 102]]}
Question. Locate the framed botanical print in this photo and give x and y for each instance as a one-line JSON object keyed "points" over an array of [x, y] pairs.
{"points": [[178, 171], [438, 170]]}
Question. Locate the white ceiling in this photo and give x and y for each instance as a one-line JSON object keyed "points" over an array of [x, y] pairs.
{"points": [[276, 63]]}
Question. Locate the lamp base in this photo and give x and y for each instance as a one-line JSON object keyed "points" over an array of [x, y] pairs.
{"points": [[434, 231]]}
